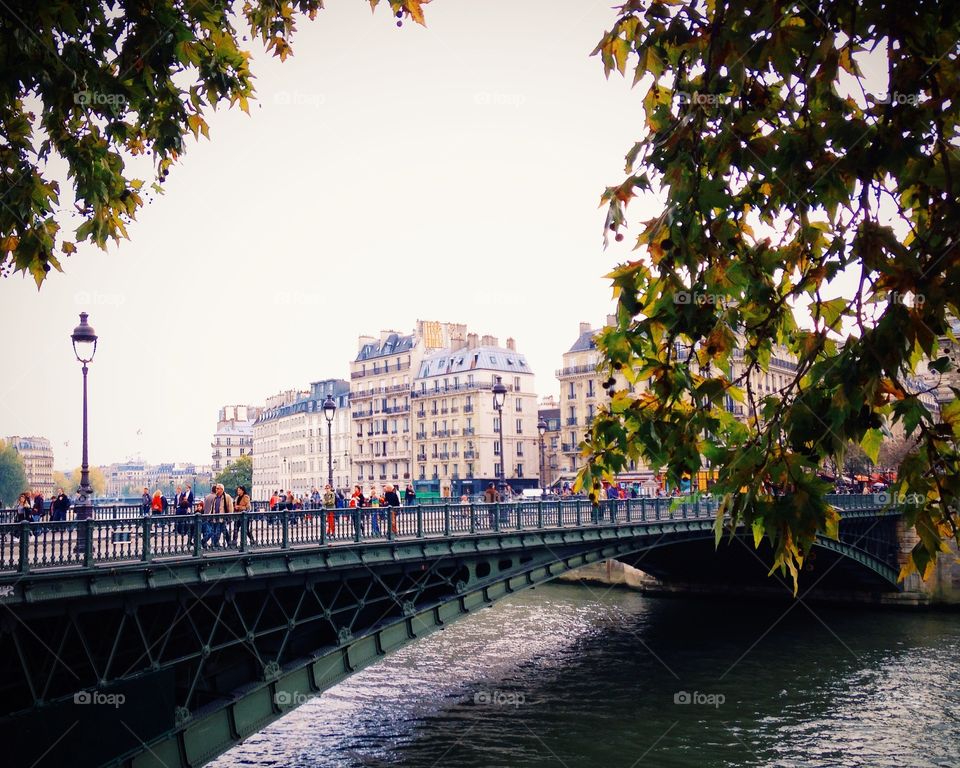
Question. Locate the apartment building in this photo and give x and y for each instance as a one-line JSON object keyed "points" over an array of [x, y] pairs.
{"points": [[37, 456], [381, 378], [456, 438], [234, 435], [290, 441]]}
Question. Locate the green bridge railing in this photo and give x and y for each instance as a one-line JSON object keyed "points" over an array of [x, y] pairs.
{"points": [[72, 544]]}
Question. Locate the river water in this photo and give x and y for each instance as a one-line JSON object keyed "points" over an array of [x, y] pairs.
{"points": [[567, 676]]}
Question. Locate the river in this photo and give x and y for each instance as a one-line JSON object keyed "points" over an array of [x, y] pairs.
{"points": [[566, 676]]}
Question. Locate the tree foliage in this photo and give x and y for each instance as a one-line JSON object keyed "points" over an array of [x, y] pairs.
{"points": [[237, 472], [809, 209], [71, 482], [92, 85], [13, 478]]}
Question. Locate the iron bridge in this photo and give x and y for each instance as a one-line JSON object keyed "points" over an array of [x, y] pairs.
{"points": [[164, 641]]}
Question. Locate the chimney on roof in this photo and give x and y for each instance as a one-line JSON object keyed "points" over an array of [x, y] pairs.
{"points": [[472, 340], [511, 344], [489, 341], [584, 328], [364, 340]]}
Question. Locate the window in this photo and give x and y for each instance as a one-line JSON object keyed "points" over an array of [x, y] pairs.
{"points": [[496, 469], [590, 388], [519, 470], [519, 449], [519, 404], [423, 471], [516, 385], [496, 448], [228, 451], [570, 393], [496, 423], [519, 426]]}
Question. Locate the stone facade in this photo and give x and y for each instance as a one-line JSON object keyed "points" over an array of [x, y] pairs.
{"points": [[456, 426], [37, 456], [234, 435], [381, 378], [290, 441]]}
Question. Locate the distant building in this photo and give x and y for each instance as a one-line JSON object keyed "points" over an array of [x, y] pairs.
{"points": [[456, 426], [37, 456], [380, 383], [234, 435], [290, 441], [549, 411], [582, 392], [127, 479]]}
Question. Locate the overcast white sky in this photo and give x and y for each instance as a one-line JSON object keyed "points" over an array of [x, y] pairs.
{"points": [[383, 175]]}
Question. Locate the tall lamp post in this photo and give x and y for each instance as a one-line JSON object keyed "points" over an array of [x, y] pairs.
{"points": [[84, 347], [499, 398], [541, 429], [329, 410]]}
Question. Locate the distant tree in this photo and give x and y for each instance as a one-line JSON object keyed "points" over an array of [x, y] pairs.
{"points": [[97, 480], [65, 481], [13, 478], [893, 451], [239, 472]]}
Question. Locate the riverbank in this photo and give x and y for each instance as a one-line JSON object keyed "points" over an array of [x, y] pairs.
{"points": [[941, 591]]}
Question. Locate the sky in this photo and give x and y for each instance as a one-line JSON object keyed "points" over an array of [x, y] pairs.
{"points": [[384, 175]]}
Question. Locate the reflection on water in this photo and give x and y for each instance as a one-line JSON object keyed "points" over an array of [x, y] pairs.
{"points": [[569, 676]]}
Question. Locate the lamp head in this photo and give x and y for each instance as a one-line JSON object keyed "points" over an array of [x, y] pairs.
{"points": [[84, 340], [499, 393], [329, 408]]}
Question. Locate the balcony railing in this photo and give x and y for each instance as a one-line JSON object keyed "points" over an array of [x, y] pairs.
{"points": [[575, 370], [571, 421]]}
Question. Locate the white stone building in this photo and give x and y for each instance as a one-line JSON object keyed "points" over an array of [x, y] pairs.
{"points": [[290, 441], [234, 435]]}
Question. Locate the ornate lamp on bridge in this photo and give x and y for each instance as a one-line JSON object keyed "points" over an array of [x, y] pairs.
{"points": [[329, 410], [499, 398], [541, 429], [84, 347]]}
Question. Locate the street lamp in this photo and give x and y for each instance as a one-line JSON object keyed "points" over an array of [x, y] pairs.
{"points": [[84, 347], [329, 410], [541, 429], [499, 397]]}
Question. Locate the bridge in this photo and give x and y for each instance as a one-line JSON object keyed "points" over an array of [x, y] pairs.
{"points": [[164, 641]]}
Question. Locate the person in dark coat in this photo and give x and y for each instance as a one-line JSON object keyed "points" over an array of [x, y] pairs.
{"points": [[59, 506], [38, 511], [145, 502], [392, 500]]}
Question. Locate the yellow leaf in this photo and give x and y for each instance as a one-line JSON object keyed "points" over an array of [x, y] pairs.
{"points": [[416, 12]]}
